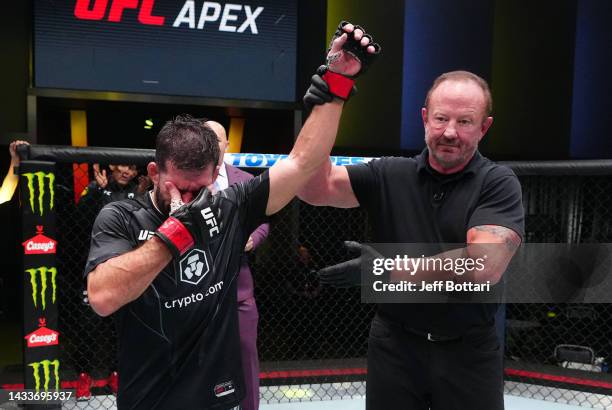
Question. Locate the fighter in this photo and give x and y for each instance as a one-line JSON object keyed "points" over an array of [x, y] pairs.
{"points": [[174, 295]]}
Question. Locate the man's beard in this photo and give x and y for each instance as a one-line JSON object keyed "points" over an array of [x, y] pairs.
{"points": [[464, 154], [162, 205], [448, 163]]}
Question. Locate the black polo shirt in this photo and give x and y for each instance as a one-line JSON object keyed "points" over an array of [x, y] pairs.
{"points": [[179, 346], [407, 201]]}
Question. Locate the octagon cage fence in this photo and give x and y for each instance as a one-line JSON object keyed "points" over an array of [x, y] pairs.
{"points": [[313, 339]]}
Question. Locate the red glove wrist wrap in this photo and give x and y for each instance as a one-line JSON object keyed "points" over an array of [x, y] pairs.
{"points": [[339, 85], [176, 232]]}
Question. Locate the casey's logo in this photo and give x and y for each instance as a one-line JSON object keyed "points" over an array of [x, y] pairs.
{"points": [[43, 336], [233, 18], [39, 244]]}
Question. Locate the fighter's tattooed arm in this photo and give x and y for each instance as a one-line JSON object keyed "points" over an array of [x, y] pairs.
{"points": [[497, 234]]}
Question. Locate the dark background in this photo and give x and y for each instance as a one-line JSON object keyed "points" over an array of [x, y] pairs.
{"points": [[547, 63], [128, 56]]}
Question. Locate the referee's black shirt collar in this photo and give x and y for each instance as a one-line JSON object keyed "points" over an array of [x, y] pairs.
{"points": [[424, 166]]}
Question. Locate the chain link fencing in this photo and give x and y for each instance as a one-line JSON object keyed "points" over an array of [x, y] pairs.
{"points": [[560, 352], [313, 339]]}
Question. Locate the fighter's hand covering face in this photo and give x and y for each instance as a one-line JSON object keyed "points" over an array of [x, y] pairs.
{"points": [[186, 225]]}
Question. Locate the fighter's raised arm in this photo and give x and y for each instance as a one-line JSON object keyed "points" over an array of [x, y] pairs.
{"points": [[351, 51], [187, 155]]}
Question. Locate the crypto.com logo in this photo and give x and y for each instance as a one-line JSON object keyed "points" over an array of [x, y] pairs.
{"points": [[194, 267], [43, 273], [46, 366], [232, 18], [39, 199]]}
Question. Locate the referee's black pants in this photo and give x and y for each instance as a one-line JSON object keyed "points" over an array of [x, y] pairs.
{"points": [[408, 371]]}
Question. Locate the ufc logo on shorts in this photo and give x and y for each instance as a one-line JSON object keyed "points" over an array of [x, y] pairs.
{"points": [[209, 217]]}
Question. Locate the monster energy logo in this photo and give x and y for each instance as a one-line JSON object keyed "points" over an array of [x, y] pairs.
{"points": [[40, 178], [46, 368], [42, 271]]}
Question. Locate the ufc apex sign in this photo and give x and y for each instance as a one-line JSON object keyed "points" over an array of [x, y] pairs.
{"points": [[228, 17]]}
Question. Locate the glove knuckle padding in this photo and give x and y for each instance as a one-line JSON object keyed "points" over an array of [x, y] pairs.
{"points": [[355, 48], [339, 31], [325, 85], [360, 52]]}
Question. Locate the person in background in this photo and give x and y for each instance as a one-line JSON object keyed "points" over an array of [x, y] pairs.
{"points": [[115, 183], [9, 211], [121, 183], [247, 308], [9, 184]]}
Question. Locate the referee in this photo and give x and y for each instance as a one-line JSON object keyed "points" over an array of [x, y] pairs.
{"points": [[434, 356]]}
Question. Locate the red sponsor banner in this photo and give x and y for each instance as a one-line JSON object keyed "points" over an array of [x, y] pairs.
{"points": [[43, 336], [39, 244]]}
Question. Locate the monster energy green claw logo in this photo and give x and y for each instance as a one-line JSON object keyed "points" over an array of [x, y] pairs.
{"points": [[43, 271], [46, 367], [40, 177]]}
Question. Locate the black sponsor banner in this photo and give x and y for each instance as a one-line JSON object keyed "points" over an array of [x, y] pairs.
{"points": [[40, 276]]}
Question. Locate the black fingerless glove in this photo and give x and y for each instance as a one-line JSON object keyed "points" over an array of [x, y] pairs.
{"points": [[355, 48], [326, 84], [188, 226]]}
